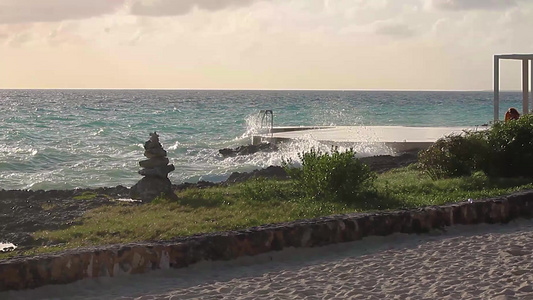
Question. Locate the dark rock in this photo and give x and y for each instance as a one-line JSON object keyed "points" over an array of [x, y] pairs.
{"points": [[151, 145], [270, 172], [199, 185], [154, 162], [161, 172], [149, 188], [203, 184], [248, 149], [156, 169], [156, 152]]}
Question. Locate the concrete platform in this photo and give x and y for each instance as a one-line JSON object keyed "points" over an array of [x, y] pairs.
{"points": [[399, 138]]}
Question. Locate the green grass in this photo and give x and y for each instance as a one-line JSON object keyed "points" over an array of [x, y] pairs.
{"points": [[260, 202], [412, 188], [86, 196]]}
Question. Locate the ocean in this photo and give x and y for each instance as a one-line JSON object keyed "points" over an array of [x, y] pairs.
{"points": [[64, 139]]}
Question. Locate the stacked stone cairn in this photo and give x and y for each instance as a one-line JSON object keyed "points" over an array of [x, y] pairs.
{"points": [[155, 182]]}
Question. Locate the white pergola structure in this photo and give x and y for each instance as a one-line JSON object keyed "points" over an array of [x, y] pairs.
{"points": [[525, 58]]}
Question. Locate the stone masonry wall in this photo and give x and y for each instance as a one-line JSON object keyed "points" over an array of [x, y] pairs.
{"points": [[117, 260]]}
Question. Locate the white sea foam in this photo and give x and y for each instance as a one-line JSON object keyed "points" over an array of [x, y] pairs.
{"points": [[218, 168], [175, 146], [20, 151]]}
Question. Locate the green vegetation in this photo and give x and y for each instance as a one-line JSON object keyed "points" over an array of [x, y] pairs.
{"points": [[504, 150], [330, 176], [86, 196], [455, 155], [410, 187], [453, 170], [262, 201], [511, 148]]}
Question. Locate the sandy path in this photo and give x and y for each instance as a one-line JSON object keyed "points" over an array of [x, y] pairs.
{"points": [[466, 262]]}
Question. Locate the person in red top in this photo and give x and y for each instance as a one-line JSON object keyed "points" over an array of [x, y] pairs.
{"points": [[512, 114]]}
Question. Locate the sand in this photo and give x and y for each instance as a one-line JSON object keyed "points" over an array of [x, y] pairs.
{"points": [[463, 262]]}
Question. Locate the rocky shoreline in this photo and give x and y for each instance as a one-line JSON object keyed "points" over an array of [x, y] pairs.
{"points": [[23, 212]]}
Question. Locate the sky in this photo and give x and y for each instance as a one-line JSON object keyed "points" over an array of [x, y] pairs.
{"points": [[262, 44]]}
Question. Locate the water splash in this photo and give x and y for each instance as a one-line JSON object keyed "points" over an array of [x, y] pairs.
{"points": [[254, 126], [220, 168]]}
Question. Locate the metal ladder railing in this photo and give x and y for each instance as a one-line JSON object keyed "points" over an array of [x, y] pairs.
{"points": [[267, 120]]}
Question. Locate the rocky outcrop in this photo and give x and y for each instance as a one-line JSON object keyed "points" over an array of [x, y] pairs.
{"points": [[276, 172], [70, 266], [248, 149], [24, 212], [155, 171]]}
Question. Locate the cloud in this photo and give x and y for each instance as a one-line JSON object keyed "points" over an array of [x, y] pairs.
{"points": [[19, 39], [181, 7], [393, 28], [471, 4], [29, 11]]}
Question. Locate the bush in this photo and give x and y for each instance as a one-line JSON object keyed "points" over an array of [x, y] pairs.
{"points": [[511, 148], [455, 155], [336, 176], [504, 150]]}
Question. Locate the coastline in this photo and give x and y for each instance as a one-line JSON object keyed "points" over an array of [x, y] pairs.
{"points": [[100, 142], [103, 261], [23, 212]]}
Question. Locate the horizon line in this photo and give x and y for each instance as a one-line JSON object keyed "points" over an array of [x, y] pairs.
{"points": [[253, 89]]}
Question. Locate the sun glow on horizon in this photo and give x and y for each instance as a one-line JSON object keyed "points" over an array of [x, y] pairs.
{"points": [[261, 45]]}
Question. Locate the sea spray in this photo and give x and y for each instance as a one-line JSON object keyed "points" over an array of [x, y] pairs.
{"points": [[254, 126]]}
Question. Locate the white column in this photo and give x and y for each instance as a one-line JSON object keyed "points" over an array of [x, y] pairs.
{"points": [[525, 86], [531, 78], [496, 88]]}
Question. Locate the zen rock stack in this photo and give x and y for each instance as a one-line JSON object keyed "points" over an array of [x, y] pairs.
{"points": [[155, 171]]}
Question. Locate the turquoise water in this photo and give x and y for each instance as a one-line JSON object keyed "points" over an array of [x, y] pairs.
{"points": [[58, 139]]}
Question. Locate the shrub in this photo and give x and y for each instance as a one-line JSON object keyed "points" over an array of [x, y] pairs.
{"points": [[504, 150], [511, 148], [336, 175], [455, 155]]}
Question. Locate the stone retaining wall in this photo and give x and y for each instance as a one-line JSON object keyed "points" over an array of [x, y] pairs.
{"points": [[117, 260]]}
